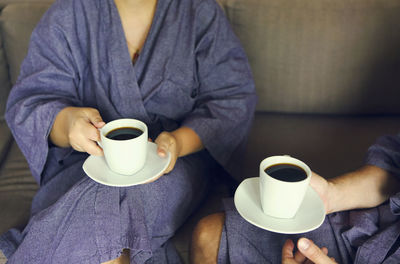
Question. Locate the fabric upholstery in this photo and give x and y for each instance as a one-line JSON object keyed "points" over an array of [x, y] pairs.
{"points": [[3, 3], [4, 80], [17, 187], [322, 56], [18, 22], [5, 141]]}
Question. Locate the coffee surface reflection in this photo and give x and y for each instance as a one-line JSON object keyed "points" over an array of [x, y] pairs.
{"points": [[124, 133], [286, 172]]}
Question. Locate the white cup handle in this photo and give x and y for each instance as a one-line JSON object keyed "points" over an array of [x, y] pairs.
{"points": [[99, 142]]}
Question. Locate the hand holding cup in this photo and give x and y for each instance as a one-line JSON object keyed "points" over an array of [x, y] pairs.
{"points": [[77, 127]]}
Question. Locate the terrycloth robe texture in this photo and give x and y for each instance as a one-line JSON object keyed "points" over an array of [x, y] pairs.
{"points": [[368, 236], [191, 72]]}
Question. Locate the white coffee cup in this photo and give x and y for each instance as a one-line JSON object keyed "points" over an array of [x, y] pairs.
{"points": [[281, 197], [124, 156]]}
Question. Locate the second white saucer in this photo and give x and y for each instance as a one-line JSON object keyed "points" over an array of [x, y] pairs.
{"points": [[310, 215]]}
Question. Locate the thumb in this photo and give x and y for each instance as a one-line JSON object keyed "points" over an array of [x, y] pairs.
{"points": [[164, 141], [313, 252]]}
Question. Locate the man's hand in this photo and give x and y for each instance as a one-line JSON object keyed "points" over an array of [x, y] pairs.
{"points": [[366, 187], [308, 253], [322, 187]]}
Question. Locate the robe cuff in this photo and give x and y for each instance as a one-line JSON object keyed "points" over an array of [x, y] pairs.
{"points": [[209, 138], [385, 154], [37, 152]]}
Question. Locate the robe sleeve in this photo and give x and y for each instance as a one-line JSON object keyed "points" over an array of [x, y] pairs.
{"points": [[385, 153], [225, 97], [46, 84]]}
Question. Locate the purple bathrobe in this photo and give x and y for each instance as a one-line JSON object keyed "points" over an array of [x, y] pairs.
{"points": [[368, 236], [191, 72]]}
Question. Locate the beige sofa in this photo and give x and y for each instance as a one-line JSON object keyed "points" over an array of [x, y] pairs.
{"points": [[327, 75]]}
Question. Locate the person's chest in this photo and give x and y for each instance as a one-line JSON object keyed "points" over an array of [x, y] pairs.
{"points": [[163, 79], [136, 22]]}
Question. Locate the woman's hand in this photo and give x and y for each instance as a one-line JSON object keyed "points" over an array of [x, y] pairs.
{"points": [[167, 142], [178, 143], [78, 127], [308, 253]]}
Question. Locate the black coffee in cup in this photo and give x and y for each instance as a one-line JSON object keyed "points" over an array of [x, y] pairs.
{"points": [[286, 172], [124, 133]]}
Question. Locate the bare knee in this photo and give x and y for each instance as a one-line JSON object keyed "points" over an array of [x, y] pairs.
{"points": [[206, 238], [123, 259]]}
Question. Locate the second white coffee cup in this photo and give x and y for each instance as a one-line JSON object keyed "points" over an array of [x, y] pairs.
{"points": [[124, 142], [283, 183]]}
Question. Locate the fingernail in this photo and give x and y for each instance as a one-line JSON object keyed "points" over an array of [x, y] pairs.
{"points": [[304, 243], [161, 153]]}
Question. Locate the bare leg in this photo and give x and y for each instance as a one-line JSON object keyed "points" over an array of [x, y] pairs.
{"points": [[3, 258], [123, 259], [206, 238]]}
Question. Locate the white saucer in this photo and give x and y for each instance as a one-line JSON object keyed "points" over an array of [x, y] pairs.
{"points": [[96, 168], [310, 216]]}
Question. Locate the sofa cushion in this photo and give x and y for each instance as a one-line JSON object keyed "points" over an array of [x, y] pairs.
{"points": [[4, 80], [330, 145], [3, 3], [17, 43], [321, 56], [17, 187], [18, 21], [5, 141]]}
